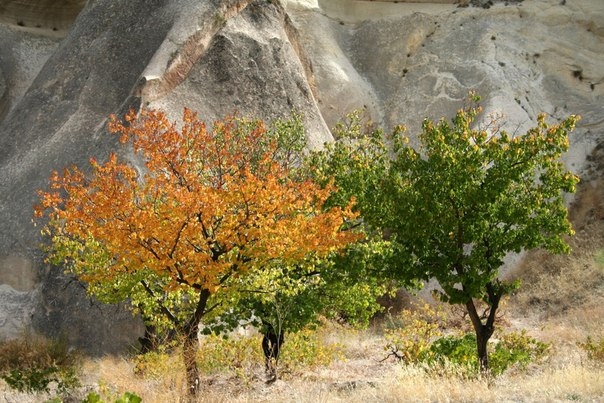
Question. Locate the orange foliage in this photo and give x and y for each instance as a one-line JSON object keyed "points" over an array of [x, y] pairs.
{"points": [[203, 205]]}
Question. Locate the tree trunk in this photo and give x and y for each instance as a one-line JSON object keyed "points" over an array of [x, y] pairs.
{"points": [[482, 339], [271, 346], [483, 333], [189, 355], [191, 345]]}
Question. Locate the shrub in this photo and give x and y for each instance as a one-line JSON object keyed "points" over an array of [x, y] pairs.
{"points": [[516, 348], [239, 354], [413, 332], [594, 348], [127, 397], [156, 364], [32, 364], [519, 349], [416, 337], [307, 348], [457, 350], [236, 354]]}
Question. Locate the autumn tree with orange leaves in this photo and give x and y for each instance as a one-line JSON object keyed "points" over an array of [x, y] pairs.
{"points": [[196, 210]]}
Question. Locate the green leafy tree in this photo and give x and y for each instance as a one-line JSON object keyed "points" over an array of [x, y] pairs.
{"points": [[287, 298], [205, 209], [457, 205], [470, 196]]}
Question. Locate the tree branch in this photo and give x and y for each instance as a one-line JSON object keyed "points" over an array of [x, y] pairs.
{"points": [[162, 307]]}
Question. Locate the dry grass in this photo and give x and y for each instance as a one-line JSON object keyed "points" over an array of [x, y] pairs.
{"points": [[361, 377]]}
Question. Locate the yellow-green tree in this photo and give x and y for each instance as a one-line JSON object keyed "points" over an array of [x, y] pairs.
{"points": [[471, 195], [453, 208], [205, 209]]}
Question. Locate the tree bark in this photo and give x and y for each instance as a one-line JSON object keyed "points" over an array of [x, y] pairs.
{"points": [[271, 346], [189, 354], [482, 339], [484, 331], [191, 345]]}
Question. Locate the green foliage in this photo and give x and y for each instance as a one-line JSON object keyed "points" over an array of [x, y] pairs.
{"points": [[519, 349], [459, 353], [39, 379], [92, 397], [291, 297], [514, 349], [33, 364], [127, 397], [454, 207], [412, 333], [594, 348], [358, 163], [469, 196], [416, 337], [455, 350]]}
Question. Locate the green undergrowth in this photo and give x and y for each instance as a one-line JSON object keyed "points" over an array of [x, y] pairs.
{"points": [[420, 336], [34, 364], [594, 347], [240, 356]]}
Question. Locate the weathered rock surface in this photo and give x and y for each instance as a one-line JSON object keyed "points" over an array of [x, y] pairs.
{"points": [[51, 15], [59, 121], [400, 61], [3, 95]]}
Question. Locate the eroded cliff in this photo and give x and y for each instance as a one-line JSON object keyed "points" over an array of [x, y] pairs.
{"points": [[63, 72]]}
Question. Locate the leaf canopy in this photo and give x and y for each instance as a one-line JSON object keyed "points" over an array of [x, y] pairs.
{"points": [[197, 209]]}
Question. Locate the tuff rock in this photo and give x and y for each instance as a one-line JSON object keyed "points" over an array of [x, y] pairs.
{"points": [[65, 66]]}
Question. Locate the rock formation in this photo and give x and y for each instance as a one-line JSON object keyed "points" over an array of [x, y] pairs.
{"points": [[52, 15], [65, 66]]}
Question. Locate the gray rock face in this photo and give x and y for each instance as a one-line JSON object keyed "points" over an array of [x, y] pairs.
{"points": [[400, 61], [3, 95], [58, 122], [253, 65], [50, 15]]}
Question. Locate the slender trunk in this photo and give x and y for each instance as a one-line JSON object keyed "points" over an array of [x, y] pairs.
{"points": [[271, 345], [189, 355], [482, 338], [191, 345], [483, 333]]}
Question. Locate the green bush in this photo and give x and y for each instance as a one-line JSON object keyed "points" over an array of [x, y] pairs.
{"points": [[413, 331], [32, 364], [127, 397], [594, 348], [33, 379], [457, 350], [514, 349], [517, 348]]}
